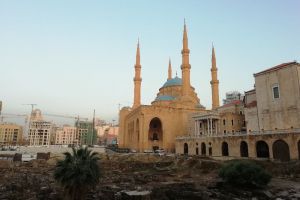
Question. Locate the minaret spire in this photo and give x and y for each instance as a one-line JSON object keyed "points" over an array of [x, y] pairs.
{"points": [[137, 78], [170, 70], [185, 66], [185, 37], [214, 81]]}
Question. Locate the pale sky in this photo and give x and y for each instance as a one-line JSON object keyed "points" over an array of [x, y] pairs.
{"points": [[71, 57]]}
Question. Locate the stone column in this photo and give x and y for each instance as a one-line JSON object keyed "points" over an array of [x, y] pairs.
{"points": [[211, 126], [207, 126], [195, 133]]}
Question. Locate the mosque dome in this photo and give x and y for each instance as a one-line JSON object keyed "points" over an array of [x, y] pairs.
{"points": [[164, 98], [173, 82]]}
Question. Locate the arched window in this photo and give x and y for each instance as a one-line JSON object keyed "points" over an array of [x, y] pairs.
{"points": [[262, 149], [225, 149], [203, 149], [244, 149], [186, 148], [281, 151], [299, 149], [138, 129]]}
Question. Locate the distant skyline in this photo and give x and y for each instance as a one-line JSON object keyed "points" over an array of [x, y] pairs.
{"points": [[71, 57]]}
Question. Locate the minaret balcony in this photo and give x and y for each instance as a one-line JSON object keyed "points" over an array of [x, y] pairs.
{"points": [[214, 82], [183, 51]]}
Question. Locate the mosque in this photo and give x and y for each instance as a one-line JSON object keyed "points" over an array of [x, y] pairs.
{"points": [[155, 126]]}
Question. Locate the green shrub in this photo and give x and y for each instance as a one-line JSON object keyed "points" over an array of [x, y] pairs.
{"points": [[244, 173]]}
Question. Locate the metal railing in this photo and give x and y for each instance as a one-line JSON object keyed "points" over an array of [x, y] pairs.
{"points": [[242, 133]]}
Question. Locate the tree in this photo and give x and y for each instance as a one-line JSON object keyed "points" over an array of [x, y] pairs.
{"points": [[78, 172], [244, 173]]}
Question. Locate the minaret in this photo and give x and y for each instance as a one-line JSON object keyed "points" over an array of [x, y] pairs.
{"points": [[170, 70], [214, 81], [185, 66], [137, 79]]}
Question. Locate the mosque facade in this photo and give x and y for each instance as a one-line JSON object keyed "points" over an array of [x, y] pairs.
{"points": [[155, 126]]}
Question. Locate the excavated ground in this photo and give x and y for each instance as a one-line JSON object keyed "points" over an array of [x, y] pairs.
{"points": [[145, 176]]}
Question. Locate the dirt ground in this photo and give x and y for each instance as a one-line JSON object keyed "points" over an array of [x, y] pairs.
{"points": [[145, 176]]}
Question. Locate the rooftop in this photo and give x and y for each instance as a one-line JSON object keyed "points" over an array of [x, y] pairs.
{"points": [[234, 102], [277, 67]]}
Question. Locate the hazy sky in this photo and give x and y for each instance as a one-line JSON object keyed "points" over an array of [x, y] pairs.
{"points": [[71, 57]]}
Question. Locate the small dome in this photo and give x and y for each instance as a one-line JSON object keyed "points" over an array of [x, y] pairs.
{"points": [[164, 98], [173, 81]]}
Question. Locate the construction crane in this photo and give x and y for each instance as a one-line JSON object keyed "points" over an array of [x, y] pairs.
{"points": [[8, 115], [30, 104], [67, 116]]}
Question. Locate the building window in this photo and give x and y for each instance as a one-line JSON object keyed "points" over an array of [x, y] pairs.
{"points": [[276, 91], [224, 131], [224, 122], [200, 125], [232, 122]]}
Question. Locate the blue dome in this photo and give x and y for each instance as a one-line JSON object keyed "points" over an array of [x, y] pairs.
{"points": [[164, 98], [173, 81]]}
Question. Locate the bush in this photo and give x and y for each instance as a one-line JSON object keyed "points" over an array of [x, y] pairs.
{"points": [[244, 173]]}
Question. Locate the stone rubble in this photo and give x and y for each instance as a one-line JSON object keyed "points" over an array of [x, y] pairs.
{"points": [[125, 177]]}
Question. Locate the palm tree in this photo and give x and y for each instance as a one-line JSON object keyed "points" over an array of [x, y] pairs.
{"points": [[78, 172]]}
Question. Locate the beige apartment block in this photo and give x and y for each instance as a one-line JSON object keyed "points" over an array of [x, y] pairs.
{"points": [[10, 134], [155, 126], [40, 131], [272, 118], [67, 135], [107, 129]]}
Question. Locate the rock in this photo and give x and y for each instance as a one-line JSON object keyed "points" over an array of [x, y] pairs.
{"points": [[283, 194], [136, 195], [297, 195], [268, 194]]}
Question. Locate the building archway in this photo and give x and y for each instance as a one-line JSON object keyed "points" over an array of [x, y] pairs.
{"points": [[197, 151], [225, 149], [299, 149], [244, 149], [203, 149], [185, 148], [281, 151], [262, 149], [155, 133], [137, 128]]}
